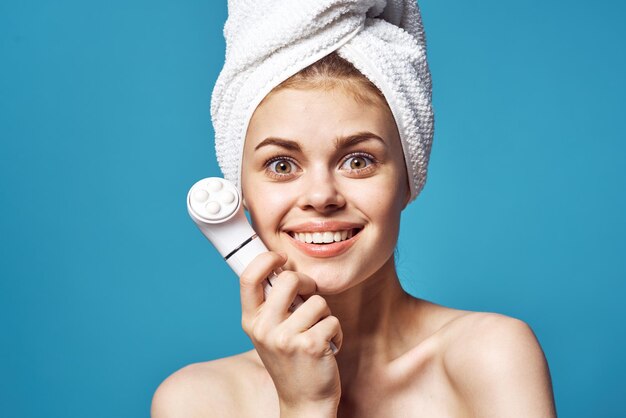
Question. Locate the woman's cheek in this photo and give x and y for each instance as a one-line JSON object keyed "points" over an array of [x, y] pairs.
{"points": [[267, 209]]}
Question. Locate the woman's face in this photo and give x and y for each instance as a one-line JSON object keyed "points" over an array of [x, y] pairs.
{"points": [[324, 180]]}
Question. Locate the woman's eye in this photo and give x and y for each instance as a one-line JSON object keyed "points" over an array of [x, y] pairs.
{"points": [[282, 166], [356, 162]]}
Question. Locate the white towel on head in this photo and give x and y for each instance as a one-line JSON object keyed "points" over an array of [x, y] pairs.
{"points": [[268, 41]]}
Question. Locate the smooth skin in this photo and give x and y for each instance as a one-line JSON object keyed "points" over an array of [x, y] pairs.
{"points": [[319, 159]]}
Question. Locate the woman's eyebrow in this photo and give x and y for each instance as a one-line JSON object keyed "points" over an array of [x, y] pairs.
{"points": [[280, 142], [340, 142], [350, 140]]}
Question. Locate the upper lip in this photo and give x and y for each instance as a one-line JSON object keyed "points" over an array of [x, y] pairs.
{"points": [[322, 226]]}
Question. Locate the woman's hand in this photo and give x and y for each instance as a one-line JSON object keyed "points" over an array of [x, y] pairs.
{"points": [[294, 347]]}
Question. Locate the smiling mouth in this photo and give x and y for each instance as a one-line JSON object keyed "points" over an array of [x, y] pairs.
{"points": [[324, 237]]}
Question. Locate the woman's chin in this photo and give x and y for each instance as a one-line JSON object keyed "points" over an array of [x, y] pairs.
{"points": [[329, 280]]}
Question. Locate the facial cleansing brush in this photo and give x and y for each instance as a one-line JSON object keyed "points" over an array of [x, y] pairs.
{"points": [[215, 206]]}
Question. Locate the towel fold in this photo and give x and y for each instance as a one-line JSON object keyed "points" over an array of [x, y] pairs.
{"points": [[268, 41]]}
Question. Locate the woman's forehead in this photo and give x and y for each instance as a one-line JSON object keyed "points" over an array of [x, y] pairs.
{"points": [[317, 114]]}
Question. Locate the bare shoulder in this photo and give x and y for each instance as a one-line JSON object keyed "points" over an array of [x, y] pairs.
{"points": [[497, 365], [212, 388]]}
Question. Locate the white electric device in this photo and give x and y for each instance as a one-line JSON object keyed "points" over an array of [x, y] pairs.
{"points": [[215, 206]]}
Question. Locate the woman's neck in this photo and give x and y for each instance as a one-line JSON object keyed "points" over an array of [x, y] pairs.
{"points": [[373, 316]]}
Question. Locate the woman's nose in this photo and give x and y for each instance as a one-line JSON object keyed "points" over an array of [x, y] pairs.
{"points": [[320, 192]]}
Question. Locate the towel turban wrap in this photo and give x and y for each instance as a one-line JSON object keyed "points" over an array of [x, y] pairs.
{"points": [[268, 41]]}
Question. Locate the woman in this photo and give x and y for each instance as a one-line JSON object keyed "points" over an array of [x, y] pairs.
{"points": [[325, 176]]}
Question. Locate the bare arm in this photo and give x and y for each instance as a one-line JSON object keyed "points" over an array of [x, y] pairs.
{"points": [[195, 391], [293, 346], [499, 369]]}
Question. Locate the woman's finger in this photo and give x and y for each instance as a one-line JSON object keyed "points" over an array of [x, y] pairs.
{"points": [[285, 287], [251, 281], [318, 337], [308, 314]]}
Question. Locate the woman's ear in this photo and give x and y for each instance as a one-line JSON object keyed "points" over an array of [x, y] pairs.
{"points": [[407, 198], [406, 201]]}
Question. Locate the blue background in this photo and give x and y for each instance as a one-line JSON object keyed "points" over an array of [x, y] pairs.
{"points": [[107, 287]]}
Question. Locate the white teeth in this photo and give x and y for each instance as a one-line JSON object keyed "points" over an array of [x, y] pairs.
{"points": [[325, 237]]}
